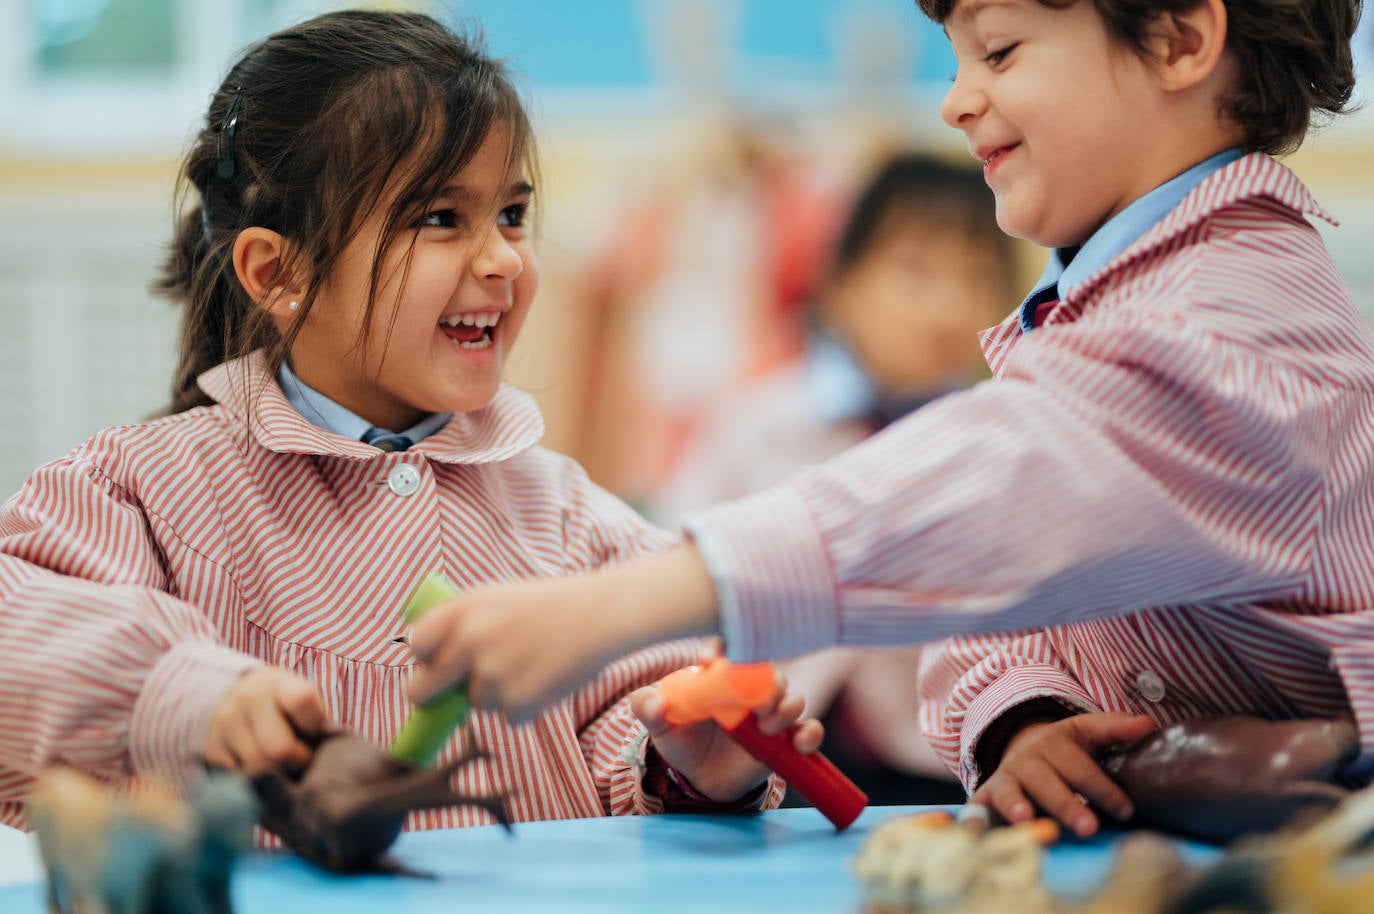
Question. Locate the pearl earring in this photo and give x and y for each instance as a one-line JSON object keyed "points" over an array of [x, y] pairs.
{"points": [[294, 305]]}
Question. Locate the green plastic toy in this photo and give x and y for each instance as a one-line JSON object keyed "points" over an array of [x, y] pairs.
{"points": [[428, 729]]}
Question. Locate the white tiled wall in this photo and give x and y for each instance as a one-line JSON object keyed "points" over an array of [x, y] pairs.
{"points": [[83, 343]]}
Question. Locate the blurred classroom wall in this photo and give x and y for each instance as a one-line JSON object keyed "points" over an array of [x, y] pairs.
{"points": [[629, 97]]}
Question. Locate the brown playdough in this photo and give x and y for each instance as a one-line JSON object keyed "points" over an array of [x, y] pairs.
{"points": [[1219, 778], [346, 808]]}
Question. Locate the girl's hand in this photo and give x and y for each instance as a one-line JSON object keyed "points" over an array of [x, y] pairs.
{"points": [[270, 717], [713, 762], [1053, 764]]}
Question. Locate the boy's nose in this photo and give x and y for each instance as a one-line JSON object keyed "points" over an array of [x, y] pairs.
{"points": [[497, 258], [962, 103]]}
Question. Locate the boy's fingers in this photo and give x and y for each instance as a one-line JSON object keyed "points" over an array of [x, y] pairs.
{"points": [[443, 666], [1099, 731], [1084, 775], [1046, 785], [1003, 793], [430, 632]]}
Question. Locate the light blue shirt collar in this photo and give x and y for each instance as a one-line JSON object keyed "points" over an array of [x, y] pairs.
{"points": [[1119, 233], [320, 411]]}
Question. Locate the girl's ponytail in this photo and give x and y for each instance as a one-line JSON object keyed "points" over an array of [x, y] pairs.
{"points": [[205, 339]]}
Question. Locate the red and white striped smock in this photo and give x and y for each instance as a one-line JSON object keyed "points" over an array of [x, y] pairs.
{"points": [[1189, 438], [141, 574]]}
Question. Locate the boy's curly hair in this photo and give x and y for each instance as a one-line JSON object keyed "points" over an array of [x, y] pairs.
{"points": [[1294, 58]]}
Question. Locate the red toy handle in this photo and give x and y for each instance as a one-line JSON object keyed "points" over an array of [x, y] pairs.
{"points": [[813, 775]]}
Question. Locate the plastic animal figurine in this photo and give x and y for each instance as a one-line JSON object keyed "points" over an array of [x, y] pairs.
{"points": [[347, 807], [1223, 777], [929, 862], [141, 851]]}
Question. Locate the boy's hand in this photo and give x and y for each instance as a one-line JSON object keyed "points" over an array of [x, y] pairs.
{"points": [[1053, 764], [718, 767], [521, 647], [269, 717]]}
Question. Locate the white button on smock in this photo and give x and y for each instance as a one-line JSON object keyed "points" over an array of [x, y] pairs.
{"points": [[403, 479], [1150, 686]]}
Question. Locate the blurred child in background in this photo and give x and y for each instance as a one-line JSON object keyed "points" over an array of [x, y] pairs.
{"points": [[919, 268]]}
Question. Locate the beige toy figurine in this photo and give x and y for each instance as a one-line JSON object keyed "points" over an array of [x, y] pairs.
{"points": [[930, 862]]}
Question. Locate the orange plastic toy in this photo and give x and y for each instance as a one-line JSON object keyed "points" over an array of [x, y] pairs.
{"points": [[728, 693]]}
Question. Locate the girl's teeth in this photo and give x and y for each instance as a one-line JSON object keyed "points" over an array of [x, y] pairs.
{"points": [[480, 321], [483, 343]]}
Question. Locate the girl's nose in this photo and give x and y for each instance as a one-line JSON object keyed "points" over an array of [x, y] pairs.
{"points": [[963, 103], [497, 258]]}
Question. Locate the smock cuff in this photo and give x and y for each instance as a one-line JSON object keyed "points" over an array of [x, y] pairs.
{"points": [[772, 574], [171, 718], [1002, 696], [1354, 663]]}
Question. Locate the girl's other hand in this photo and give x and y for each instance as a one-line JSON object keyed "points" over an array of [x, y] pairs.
{"points": [[270, 717], [1054, 766], [718, 767]]}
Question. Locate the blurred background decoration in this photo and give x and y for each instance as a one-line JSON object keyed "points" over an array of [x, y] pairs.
{"points": [[698, 157]]}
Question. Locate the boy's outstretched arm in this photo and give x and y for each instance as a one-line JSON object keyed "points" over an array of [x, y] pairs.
{"points": [[523, 646]]}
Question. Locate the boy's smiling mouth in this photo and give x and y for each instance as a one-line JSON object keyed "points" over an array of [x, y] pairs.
{"points": [[471, 330], [992, 156]]}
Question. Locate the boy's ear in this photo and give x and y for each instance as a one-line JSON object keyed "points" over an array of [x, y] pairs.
{"points": [[1187, 46], [259, 254]]}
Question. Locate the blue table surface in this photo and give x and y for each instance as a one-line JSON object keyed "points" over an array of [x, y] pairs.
{"points": [[786, 860]]}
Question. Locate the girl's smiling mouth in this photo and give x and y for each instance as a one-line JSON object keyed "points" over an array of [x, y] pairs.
{"points": [[473, 329]]}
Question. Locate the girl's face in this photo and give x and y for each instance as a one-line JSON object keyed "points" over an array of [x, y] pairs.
{"points": [[448, 307]]}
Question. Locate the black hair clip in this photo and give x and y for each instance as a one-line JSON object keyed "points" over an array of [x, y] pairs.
{"points": [[224, 145]]}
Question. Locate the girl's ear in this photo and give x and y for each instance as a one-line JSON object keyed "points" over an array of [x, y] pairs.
{"points": [[259, 259], [1187, 46]]}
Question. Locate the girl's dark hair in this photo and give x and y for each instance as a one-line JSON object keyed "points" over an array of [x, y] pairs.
{"points": [[920, 186], [1293, 56], [307, 129]]}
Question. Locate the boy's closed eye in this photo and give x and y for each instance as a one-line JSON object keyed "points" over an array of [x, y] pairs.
{"points": [[996, 57]]}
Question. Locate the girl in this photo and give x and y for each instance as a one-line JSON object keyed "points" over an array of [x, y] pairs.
{"points": [[216, 586]]}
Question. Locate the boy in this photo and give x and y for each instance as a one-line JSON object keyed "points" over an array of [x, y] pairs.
{"points": [[1175, 455]]}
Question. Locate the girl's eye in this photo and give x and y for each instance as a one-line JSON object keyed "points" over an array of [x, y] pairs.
{"points": [[439, 218], [999, 55], [513, 216]]}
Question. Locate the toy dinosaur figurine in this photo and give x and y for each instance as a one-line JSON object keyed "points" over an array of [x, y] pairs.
{"points": [[141, 851], [1223, 777], [347, 807]]}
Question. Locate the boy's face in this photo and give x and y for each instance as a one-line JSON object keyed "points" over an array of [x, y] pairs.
{"points": [[448, 309], [1059, 113]]}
